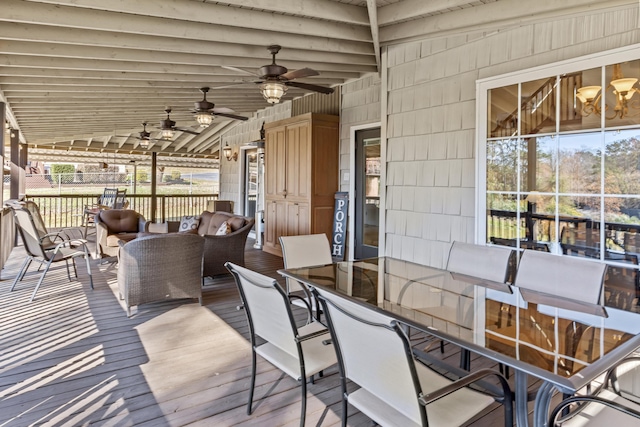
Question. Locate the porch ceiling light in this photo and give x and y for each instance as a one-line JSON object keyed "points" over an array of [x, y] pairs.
{"points": [[272, 91], [204, 118], [167, 134]]}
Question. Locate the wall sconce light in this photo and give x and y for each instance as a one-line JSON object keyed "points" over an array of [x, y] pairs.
{"points": [[229, 153]]}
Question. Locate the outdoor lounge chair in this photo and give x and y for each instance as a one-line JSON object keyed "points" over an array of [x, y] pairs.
{"points": [[47, 248]]}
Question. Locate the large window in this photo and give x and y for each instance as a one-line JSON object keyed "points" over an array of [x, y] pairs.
{"points": [[560, 165]]}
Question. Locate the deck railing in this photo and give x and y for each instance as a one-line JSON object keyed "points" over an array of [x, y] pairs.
{"points": [[68, 210]]}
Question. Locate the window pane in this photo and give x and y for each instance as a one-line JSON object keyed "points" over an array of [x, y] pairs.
{"points": [[502, 221], [580, 163], [622, 102], [538, 164], [538, 106], [502, 162], [622, 162], [579, 218], [584, 100], [502, 112]]}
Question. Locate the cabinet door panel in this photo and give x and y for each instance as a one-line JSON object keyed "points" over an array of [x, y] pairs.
{"points": [[270, 219], [304, 226], [298, 160], [281, 221], [275, 160]]}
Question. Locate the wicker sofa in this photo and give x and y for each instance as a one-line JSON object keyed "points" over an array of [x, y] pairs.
{"points": [[148, 268], [220, 249]]}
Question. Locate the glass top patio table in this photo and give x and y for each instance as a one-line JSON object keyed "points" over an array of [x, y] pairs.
{"points": [[565, 344]]}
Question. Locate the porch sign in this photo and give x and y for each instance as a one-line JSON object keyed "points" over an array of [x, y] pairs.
{"points": [[339, 226]]}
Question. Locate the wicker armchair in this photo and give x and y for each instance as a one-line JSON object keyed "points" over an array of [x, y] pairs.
{"points": [[157, 267], [115, 225]]}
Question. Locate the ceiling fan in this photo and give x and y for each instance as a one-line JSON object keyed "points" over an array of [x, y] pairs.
{"points": [[274, 78], [205, 111], [144, 136], [168, 127]]}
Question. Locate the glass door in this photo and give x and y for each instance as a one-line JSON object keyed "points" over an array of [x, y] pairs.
{"points": [[250, 182], [367, 193]]}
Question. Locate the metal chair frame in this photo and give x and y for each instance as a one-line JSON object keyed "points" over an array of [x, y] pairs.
{"points": [[40, 250]]}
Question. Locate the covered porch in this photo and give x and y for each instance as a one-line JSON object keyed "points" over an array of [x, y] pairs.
{"points": [[72, 357]]}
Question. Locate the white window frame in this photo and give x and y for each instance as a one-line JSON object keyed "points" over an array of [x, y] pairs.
{"points": [[624, 54]]}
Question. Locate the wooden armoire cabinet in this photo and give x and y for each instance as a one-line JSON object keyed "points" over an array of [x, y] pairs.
{"points": [[301, 177]]}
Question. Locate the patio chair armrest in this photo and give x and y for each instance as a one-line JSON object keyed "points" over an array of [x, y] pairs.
{"points": [[303, 299], [588, 399], [53, 236], [612, 376], [466, 381], [312, 335], [72, 233]]}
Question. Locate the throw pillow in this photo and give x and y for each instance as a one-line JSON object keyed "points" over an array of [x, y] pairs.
{"points": [[225, 228], [188, 223]]}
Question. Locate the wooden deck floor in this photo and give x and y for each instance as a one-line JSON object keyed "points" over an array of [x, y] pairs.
{"points": [[72, 358]]}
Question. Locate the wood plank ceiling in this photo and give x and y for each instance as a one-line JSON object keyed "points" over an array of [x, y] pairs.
{"points": [[84, 74]]}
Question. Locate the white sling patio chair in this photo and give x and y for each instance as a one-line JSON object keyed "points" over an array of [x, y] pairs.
{"points": [[304, 251], [491, 263], [374, 352], [40, 248], [583, 280], [298, 352], [617, 403]]}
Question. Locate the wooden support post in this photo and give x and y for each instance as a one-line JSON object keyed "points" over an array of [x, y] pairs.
{"points": [[154, 202], [14, 140]]}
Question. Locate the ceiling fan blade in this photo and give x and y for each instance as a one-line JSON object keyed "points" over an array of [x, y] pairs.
{"points": [[297, 74], [222, 110], [240, 70], [187, 131], [232, 116], [315, 88], [231, 85]]}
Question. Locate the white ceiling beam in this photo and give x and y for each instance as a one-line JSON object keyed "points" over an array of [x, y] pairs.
{"points": [[65, 76], [160, 54], [171, 18], [211, 130], [296, 50], [197, 145], [221, 14], [410, 9], [500, 14], [373, 22], [151, 62], [320, 9]]}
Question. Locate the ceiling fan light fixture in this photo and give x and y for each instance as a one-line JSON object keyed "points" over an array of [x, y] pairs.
{"points": [[167, 134], [144, 143], [204, 118], [273, 91]]}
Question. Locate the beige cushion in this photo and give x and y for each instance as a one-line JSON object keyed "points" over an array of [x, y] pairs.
{"points": [[224, 229], [113, 239]]}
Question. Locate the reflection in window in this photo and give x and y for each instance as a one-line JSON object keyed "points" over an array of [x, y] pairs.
{"points": [[563, 169]]}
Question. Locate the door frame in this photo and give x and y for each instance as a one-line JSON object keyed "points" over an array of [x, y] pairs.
{"points": [[352, 186]]}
